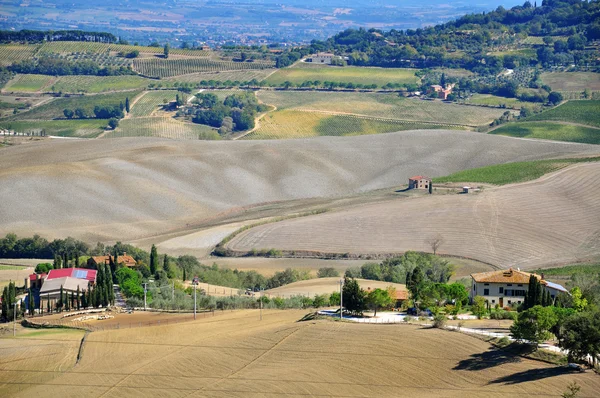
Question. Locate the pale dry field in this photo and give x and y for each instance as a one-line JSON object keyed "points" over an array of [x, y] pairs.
{"points": [[133, 188], [312, 287], [236, 355], [553, 220], [35, 356]]}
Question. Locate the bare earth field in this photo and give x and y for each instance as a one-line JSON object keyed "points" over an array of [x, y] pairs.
{"points": [[236, 355], [552, 220], [130, 189]]}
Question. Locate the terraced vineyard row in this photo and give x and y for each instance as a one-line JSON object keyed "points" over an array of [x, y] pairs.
{"points": [[28, 83], [239, 76], [13, 53], [288, 124], [155, 67], [98, 84], [98, 48], [150, 101], [163, 127], [377, 105]]}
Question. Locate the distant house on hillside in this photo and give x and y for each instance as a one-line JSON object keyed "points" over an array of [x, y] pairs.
{"points": [[125, 259], [322, 58], [419, 182], [508, 287], [442, 92]]}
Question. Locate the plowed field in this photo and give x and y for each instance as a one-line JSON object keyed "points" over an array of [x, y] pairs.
{"points": [[132, 188], [555, 219], [236, 355]]}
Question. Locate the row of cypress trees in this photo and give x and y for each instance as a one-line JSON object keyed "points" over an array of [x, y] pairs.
{"points": [[537, 295]]}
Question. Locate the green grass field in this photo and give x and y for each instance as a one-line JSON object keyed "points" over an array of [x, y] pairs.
{"points": [[382, 105], [569, 270], [240, 76], [572, 81], [85, 128], [164, 127], [493, 100], [550, 131], [54, 109], [347, 74], [288, 124], [509, 173], [582, 112], [163, 68], [98, 84], [150, 102], [28, 83]]}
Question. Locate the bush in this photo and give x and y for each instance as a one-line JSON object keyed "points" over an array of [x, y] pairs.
{"points": [[43, 268], [327, 272], [439, 321], [502, 314]]}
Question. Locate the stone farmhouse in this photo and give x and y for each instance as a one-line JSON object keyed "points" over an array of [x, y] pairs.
{"points": [[442, 92], [508, 287], [419, 182], [125, 259]]}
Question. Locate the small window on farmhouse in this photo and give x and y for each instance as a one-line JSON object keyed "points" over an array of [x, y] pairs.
{"points": [[519, 301], [520, 285], [509, 302], [486, 292], [486, 284], [501, 290], [509, 284], [493, 301]]}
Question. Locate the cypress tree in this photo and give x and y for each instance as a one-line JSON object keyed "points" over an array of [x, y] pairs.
{"points": [[48, 303], [77, 259], [127, 104], [31, 302], [5, 303], [184, 276], [153, 260], [539, 293], [59, 304], [65, 260], [78, 299]]}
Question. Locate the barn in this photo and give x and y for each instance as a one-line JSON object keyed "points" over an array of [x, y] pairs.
{"points": [[419, 182], [70, 279]]}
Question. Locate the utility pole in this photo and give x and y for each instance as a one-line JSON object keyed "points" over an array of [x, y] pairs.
{"points": [[341, 297], [195, 283], [145, 290]]}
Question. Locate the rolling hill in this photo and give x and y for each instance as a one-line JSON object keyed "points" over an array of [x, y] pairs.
{"points": [[128, 189], [555, 219]]}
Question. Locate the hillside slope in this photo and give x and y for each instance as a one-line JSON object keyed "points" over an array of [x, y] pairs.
{"points": [[124, 189], [555, 219]]}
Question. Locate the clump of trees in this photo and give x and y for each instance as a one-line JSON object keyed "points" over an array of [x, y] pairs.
{"points": [[236, 113]]}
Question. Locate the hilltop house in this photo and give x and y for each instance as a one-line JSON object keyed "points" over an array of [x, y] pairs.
{"points": [[508, 287], [442, 92], [125, 259], [419, 182]]}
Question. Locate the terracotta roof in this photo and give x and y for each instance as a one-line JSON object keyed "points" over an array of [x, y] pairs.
{"points": [[77, 273], [34, 277], [504, 276], [419, 178], [125, 259]]}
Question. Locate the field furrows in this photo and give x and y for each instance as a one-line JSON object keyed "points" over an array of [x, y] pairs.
{"points": [[501, 226], [173, 67], [240, 356], [178, 183], [163, 127], [385, 106]]}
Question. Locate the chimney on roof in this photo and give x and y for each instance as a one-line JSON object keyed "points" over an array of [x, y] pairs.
{"points": [[124, 254]]}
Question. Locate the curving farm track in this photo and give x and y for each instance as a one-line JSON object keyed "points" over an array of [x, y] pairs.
{"points": [[555, 219]]}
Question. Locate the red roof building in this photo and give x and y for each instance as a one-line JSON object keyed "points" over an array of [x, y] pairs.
{"points": [[78, 273]]}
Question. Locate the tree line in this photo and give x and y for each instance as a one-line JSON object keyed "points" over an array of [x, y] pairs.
{"points": [[38, 36], [63, 67]]}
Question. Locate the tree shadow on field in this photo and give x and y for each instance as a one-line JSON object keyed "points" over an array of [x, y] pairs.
{"points": [[488, 359], [532, 375]]}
